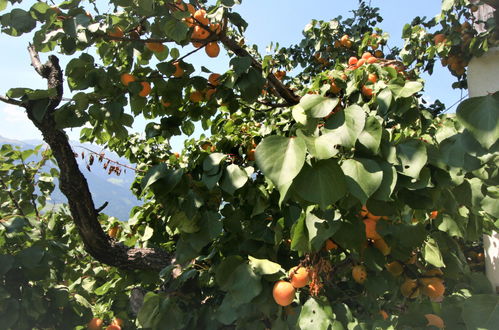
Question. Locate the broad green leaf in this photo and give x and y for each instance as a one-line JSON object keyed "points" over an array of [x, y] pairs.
{"points": [[346, 126], [317, 106], [31, 257], [175, 29], [281, 158], [384, 100], [81, 300], [170, 178], [481, 311], [322, 183], [319, 230], [234, 178], [240, 65], [6, 262], [388, 183], [412, 156], [299, 236], [3, 4], [246, 285], [184, 223], [410, 88], [150, 310], [225, 269], [264, 266], [432, 254], [211, 163], [363, 176], [491, 206], [251, 84], [315, 316], [480, 116], [321, 147], [371, 135], [19, 20]]}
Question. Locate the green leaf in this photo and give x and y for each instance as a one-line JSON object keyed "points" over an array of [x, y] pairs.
{"points": [[431, 253], [211, 164], [159, 172], [323, 183], [20, 20], [150, 310], [299, 236], [234, 178], [39, 108], [363, 176], [281, 158], [410, 88], [175, 29], [412, 156], [320, 147], [481, 117], [319, 230], [225, 269], [371, 135], [345, 126], [384, 100], [491, 206], [315, 316], [317, 106], [3, 4], [388, 183], [6, 262], [251, 84], [481, 311], [31, 257], [246, 285], [264, 266], [240, 65]]}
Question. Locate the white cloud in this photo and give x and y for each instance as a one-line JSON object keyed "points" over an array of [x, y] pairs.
{"points": [[14, 124]]}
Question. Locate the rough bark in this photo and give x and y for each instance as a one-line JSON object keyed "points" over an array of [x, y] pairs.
{"points": [[74, 185]]}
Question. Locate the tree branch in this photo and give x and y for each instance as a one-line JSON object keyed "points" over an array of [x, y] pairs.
{"points": [[8, 100], [75, 187]]}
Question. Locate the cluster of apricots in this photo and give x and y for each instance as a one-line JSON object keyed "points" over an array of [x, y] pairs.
{"points": [[284, 291], [202, 28], [370, 221], [204, 95], [456, 61], [127, 78], [97, 323]]}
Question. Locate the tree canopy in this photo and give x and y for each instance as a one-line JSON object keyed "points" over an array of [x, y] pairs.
{"points": [[324, 192]]}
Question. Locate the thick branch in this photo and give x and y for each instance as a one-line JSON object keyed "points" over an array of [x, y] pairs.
{"points": [[10, 101], [74, 186], [282, 91]]}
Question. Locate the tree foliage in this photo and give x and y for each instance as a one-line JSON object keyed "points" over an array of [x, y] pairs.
{"points": [[323, 154]]}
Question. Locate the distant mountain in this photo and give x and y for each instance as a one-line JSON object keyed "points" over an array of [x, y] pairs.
{"points": [[103, 186]]}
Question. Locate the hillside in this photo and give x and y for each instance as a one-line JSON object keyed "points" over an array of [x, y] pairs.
{"points": [[104, 187]]}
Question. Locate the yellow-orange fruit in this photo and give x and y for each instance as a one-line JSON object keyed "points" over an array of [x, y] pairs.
{"points": [[113, 232], [113, 327], [372, 78], [366, 55], [200, 33], [433, 272], [434, 320], [165, 103], [212, 49], [116, 32], [156, 47], [179, 72], [359, 274], [378, 54], [196, 96], [146, 89], [335, 89], [383, 314], [439, 38], [283, 293], [410, 289], [330, 245], [214, 79], [344, 40], [433, 287], [371, 60], [395, 268], [250, 155], [200, 16], [95, 324], [209, 93], [127, 78], [381, 245], [433, 214], [366, 91], [191, 9], [299, 276], [371, 232]]}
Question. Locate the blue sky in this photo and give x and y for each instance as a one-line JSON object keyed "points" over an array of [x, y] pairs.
{"points": [[269, 20]]}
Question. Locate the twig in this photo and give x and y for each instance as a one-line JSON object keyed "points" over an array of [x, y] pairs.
{"points": [[111, 160], [103, 206], [11, 101]]}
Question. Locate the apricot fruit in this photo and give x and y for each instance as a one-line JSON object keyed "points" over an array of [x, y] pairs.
{"points": [[299, 276], [434, 320], [410, 289], [283, 293], [212, 49], [359, 274], [95, 324]]}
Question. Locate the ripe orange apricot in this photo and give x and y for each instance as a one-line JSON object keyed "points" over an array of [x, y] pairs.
{"points": [[433, 214], [344, 40], [146, 89], [366, 55], [196, 96], [378, 53], [383, 314], [330, 245], [200, 15], [117, 321], [199, 33], [410, 289], [209, 93], [212, 49], [156, 47], [352, 60], [381, 245], [371, 232], [371, 60], [250, 155], [113, 232], [299, 276], [283, 293], [113, 327], [215, 27], [434, 320], [395, 268], [179, 72], [439, 38], [335, 89], [372, 78], [361, 62], [127, 78], [366, 91], [359, 274], [433, 287], [116, 32], [191, 9], [280, 74], [214, 79], [95, 324]]}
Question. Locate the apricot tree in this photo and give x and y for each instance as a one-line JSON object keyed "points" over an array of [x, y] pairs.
{"points": [[324, 192]]}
